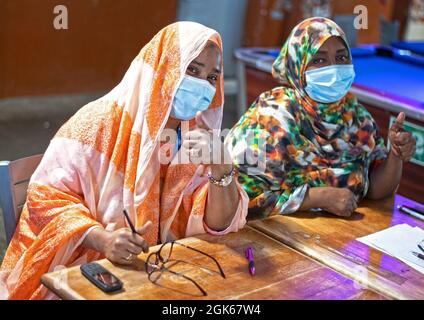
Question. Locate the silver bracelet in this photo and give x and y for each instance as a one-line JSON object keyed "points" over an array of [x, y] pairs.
{"points": [[225, 180]]}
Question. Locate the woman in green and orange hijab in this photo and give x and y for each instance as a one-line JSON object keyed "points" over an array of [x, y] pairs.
{"points": [[309, 144]]}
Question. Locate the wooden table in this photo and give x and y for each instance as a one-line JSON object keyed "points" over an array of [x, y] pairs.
{"points": [[331, 240], [281, 273]]}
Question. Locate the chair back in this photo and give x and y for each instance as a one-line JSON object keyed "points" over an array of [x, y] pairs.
{"points": [[14, 179]]}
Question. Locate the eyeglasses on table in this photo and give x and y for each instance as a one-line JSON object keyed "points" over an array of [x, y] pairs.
{"points": [[161, 261]]}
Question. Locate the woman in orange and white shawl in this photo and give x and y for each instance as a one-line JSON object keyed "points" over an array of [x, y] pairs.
{"points": [[110, 156]]}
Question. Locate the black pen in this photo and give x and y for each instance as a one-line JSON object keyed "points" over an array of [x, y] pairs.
{"points": [[129, 221], [421, 246], [418, 255], [411, 212]]}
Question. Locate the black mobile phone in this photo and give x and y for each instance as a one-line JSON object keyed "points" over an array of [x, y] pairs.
{"points": [[101, 277]]}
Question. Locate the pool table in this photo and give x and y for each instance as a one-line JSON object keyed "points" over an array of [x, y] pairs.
{"points": [[415, 47], [388, 80]]}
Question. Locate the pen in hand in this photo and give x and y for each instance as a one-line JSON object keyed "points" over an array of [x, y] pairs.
{"points": [[249, 257], [127, 217], [146, 227]]}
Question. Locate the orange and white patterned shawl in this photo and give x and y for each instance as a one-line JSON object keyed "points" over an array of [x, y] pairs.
{"points": [[105, 159]]}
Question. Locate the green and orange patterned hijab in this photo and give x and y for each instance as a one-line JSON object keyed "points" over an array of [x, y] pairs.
{"points": [[298, 143], [303, 43]]}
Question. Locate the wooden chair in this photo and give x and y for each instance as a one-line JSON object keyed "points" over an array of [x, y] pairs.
{"points": [[14, 179]]}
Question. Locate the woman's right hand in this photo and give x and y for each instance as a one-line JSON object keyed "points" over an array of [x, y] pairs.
{"points": [[120, 246], [339, 201]]}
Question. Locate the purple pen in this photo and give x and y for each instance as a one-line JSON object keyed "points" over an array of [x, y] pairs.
{"points": [[249, 256]]}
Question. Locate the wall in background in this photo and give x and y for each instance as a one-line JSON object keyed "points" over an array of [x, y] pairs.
{"points": [[269, 22], [415, 26], [376, 9], [92, 55], [225, 16]]}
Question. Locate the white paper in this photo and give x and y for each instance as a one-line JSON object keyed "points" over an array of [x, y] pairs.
{"points": [[398, 241]]}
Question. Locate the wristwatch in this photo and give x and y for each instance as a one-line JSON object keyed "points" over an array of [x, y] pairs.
{"points": [[225, 180]]}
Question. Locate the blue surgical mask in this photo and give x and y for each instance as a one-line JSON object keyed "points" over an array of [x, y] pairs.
{"points": [[329, 84], [193, 95]]}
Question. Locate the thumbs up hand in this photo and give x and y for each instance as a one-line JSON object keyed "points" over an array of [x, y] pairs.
{"points": [[197, 143], [402, 143], [204, 146], [201, 124]]}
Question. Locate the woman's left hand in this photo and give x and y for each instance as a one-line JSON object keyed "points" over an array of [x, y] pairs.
{"points": [[402, 143], [205, 148], [203, 145]]}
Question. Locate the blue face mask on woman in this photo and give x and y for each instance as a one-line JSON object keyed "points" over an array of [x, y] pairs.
{"points": [[329, 84], [192, 96]]}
